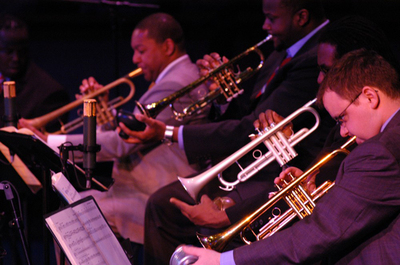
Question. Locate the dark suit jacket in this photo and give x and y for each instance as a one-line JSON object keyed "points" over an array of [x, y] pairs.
{"points": [[357, 222], [293, 86], [38, 94]]}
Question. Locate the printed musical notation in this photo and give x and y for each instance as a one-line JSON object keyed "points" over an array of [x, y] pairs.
{"points": [[64, 188], [85, 236]]}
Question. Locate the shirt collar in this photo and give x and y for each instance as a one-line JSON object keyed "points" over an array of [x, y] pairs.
{"points": [[388, 120], [169, 66], [292, 50]]}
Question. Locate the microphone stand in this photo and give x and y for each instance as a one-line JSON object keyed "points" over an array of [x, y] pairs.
{"points": [[6, 186]]}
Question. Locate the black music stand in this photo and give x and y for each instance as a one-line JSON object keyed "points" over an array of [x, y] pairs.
{"points": [[35, 154]]}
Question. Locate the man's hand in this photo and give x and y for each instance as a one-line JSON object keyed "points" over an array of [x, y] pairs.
{"points": [[206, 213], [206, 256], [153, 132], [308, 183], [270, 117], [207, 64], [90, 85]]}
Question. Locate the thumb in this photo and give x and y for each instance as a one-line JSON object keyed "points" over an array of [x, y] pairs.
{"points": [[180, 204], [205, 200], [190, 250], [142, 118]]}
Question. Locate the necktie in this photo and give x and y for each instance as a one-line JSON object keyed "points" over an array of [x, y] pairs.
{"points": [[283, 63]]}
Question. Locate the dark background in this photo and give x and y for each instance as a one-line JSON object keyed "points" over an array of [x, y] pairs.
{"points": [[74, 39]]}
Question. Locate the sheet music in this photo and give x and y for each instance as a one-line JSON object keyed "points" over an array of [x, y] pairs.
{"points": [[27, 176], [85, 236], [65, 188]]}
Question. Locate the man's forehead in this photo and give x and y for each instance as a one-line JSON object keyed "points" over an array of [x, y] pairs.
{"points": [[13, 37], [332, 101], [140, 33]]}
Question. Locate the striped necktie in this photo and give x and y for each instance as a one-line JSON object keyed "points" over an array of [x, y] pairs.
{"points": [[283, 63]]}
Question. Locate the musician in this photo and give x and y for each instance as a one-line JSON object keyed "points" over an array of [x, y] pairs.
{"points": [[37, 92], [296, 30], [357, 222], [139, 170], [341, 36]]}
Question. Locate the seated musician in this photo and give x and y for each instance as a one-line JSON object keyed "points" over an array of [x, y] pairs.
{"points": [[139, 170], [357, 221]]}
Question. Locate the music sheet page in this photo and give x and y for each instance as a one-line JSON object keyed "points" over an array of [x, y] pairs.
{"points": [[85, 236]]}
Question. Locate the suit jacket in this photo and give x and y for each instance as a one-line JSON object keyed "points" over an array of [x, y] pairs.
{"points": [[357, 222], [139, 170], [292, 86], [38, 94]]}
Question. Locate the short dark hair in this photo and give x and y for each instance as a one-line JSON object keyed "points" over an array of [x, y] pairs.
{"points": [[10, 22], [357, 69], [162, 26], [314, 7], [354, 32]]}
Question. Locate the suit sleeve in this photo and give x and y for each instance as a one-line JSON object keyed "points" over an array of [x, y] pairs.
{"points": [[295, 85], [365, 195]]}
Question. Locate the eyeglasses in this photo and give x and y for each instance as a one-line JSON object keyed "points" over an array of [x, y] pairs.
{"points": [[339, 120], [323, 69]]}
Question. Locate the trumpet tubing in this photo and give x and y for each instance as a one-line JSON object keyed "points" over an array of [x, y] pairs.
{"points": [[219, 241], [41, 122], [280, 221], [195, 184], [228, 86]]}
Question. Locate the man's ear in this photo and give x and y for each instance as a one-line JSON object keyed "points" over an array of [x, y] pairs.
{"points": [[169, 47], [372, 96], [302, 17]]}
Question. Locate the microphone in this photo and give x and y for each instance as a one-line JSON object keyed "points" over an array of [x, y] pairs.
{"points": [[89, 139], [10, 117]]}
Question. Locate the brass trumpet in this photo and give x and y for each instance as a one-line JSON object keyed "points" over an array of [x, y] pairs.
{"points": [[103, 109], [301, 203], [228, 86], [280, 149]]}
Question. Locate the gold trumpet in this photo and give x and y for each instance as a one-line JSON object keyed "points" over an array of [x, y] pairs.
{"points": [[228, 86], [300, 202], [104, 110], [280, 149]]}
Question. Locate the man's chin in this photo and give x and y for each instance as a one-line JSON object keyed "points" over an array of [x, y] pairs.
{"points": [[13, 73], [359, 141]]}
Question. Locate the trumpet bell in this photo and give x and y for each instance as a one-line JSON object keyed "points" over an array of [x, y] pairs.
{"points": [[280, 150], [103, 110]]}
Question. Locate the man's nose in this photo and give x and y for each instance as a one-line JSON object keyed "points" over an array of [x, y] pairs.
{"points": [[343, 131]]}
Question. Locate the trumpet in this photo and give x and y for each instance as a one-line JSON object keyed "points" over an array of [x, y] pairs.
{"points": [[280, 149], [103, 110], [228, 86], [300, 202]]}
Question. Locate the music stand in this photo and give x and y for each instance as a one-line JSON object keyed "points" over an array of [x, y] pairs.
{"points": [[36, 154]]}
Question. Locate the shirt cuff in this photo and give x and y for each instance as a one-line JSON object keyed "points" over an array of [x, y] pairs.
{"points": [[180, 138], [227, 258], [54, 141]]}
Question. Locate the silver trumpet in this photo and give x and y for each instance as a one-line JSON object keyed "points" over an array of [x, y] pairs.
{"points": [[280, 149]]}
